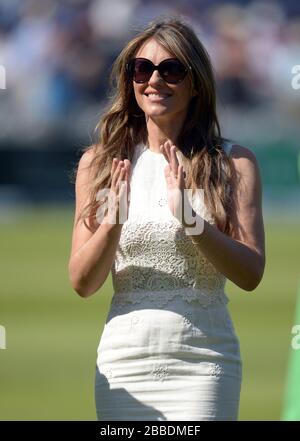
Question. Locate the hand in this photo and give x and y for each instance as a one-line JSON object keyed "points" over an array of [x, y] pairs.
{"points": [[175, 178], [117, 205]]}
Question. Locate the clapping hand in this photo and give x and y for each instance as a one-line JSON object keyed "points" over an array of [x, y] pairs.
{"points": [[175, 179], [115, 210]]}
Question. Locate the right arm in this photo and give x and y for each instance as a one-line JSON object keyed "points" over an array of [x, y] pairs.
{"points": [[93, 252]]}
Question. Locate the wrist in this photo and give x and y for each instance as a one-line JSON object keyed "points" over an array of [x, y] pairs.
{"points": [[110, 227], [197, 239]]}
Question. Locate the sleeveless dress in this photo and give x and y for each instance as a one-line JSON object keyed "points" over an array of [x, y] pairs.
{"points": [[168, 350]]}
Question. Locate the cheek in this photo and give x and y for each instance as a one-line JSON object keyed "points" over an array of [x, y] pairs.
{"points": [[186, 90], [138, 93], [189, 96], [183, 98]]}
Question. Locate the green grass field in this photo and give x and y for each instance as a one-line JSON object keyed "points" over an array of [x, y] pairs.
{"points": [[47, 370]]}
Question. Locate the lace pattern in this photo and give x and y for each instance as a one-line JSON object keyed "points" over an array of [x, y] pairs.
{"points": [[158, 261], [155, 259]]}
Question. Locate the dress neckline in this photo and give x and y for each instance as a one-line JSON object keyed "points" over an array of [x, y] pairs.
{"points": [[154, 153], [145, 149]]}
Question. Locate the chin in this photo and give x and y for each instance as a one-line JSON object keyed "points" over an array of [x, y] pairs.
{"points": [[157, 112]]}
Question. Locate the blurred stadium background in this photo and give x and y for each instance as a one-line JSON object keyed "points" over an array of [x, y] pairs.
{"points": [[56, 57]]}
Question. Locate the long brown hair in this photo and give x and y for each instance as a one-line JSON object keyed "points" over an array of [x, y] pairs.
{"points": [[123, 124]]}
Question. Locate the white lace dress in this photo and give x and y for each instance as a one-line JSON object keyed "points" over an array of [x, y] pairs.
{"points": [[168, 350]]}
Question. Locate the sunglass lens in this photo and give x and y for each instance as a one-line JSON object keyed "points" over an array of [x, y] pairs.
{"points": [[142, 70], [173, 71]]}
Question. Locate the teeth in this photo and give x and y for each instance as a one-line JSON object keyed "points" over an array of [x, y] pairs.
{"points": [[158, 95]]}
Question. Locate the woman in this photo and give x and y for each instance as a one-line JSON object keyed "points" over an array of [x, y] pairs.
{"points": [[169, 349]]}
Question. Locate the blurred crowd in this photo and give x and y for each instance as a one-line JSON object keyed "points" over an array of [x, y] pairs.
{"points": [[57, 56]]}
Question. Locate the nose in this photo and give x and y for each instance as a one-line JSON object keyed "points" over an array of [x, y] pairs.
{"points": [[155, 78]]}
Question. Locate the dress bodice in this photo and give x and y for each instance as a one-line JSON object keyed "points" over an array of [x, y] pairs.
{"points": [[155, 258]]}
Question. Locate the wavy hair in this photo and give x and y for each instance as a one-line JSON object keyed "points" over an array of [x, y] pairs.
{"points": [[123, 124]]}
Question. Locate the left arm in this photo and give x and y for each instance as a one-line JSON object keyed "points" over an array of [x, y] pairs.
{"points": [[241, 257]]}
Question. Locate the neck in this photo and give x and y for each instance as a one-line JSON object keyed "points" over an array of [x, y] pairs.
{"points": [[161, 131]]}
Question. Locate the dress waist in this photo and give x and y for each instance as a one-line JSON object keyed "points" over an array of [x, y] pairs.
{"points": [[161, 298]]}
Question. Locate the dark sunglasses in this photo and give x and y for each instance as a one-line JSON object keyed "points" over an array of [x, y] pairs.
{"points": [[171, 70]]}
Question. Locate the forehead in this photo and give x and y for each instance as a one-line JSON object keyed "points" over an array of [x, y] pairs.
{"points": [[154, 51]]}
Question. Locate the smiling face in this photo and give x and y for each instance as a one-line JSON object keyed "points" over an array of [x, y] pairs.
{"points": [[158, 99]]}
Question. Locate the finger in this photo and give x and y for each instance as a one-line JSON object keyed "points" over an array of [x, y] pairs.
{"points": [[128, 175], [162, 151], [121, 191], [181, 176], [127, 165], [122, 188], [113, 166], [116, 174], [174, 160], [121, 178], [167, 146]]}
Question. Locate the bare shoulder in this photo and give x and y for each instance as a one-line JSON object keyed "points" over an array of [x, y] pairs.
{"points": [[239, 152], [84, 166], [86, 158], [83, 179], [243, 158], [246, 167]]}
